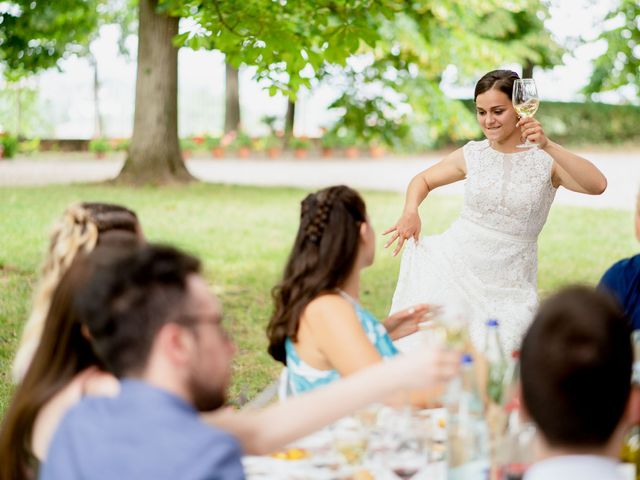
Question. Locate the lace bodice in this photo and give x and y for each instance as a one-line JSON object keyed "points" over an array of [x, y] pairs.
{"points": [[507, 192]]}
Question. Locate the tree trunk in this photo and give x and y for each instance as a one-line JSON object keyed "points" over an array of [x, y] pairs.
{"points": [[154, 155], [98, 130], [18, 112], [527, 70], [232, 100], [290, 119]]}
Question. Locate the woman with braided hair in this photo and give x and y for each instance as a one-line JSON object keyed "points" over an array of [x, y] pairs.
{"points": [[318, 329], [78, 231]]}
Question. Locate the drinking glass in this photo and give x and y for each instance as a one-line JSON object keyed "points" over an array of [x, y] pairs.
{"points": [[446, 326], [350, 440], [409, 450], [525, 102]]}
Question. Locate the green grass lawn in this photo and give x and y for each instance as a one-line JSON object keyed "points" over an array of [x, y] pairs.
{"points": [[243, 235]]}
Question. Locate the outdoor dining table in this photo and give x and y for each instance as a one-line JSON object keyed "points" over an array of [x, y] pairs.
{"points": [[315, 458]]}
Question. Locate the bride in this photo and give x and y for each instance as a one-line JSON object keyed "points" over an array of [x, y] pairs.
{"points": [[486, 262]]}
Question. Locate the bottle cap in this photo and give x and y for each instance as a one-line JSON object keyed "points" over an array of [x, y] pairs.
{"points": [[467, 359], [492, 322]]}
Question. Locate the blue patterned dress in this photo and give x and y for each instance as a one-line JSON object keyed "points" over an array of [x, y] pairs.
{"points": [[300, 377]]}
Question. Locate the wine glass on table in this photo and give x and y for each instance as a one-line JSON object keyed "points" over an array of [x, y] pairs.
{"points": [[409, 452], [525, 102]]}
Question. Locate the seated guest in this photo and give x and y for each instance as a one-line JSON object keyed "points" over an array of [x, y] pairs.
{"points": [[576, 363], [64, 367], [623, 280], [78, 231], [157, 327], [319, 329]]}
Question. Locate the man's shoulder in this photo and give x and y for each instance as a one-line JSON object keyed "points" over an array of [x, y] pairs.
{"points": [[620, 270]]}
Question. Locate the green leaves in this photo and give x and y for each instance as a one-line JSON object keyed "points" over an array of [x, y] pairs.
{"points": [[620, 65], [36, 34]]}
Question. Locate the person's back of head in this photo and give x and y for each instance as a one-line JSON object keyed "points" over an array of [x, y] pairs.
{"points": [[82, 227], [576, 362], [323, 255], [125, 305], [63, 352]]}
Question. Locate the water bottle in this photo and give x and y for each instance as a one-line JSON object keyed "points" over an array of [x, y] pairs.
{"points": [[496, 362], [630, 455], [467, 455]]}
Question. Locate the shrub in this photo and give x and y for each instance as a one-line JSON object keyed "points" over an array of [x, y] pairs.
{"points": [[299, 143], [29, 146], [9, 145], [587, 123], [99, 145], [211, 142], [242, 140]]}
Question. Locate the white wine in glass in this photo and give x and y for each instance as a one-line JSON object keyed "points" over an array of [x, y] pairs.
{"points": [[525, 102]]}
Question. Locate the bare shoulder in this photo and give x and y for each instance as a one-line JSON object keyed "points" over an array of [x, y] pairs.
{"points": [[328, 308]]}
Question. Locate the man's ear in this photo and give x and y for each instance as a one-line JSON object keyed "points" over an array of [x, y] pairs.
{"points": [[176, 342]]}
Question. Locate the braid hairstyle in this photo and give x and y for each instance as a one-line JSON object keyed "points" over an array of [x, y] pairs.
{"points": [[77, 232], [323, 255]]}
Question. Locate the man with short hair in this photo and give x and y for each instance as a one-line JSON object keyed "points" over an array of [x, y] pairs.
{"points": [[157, 327], [576, 362]]}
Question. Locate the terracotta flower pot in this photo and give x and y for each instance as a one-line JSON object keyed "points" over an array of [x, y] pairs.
{"points": [[273, 152], [351, 152], [186, 154], [217, 152], [244, 152], [376, 151], [327, 152], [300, 153]]}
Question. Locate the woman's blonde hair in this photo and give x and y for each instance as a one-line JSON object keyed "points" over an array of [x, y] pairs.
{"points": [[78, 231]]}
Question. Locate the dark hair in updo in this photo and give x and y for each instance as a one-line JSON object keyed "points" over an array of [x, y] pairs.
{"points": [[323, 255], [502, 80]]}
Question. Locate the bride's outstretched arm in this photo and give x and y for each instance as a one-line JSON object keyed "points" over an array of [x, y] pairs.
{"points": [[448, 170], [571, 171]]}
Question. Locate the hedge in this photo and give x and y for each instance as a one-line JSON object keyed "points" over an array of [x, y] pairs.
{"points": [[588, 123]]}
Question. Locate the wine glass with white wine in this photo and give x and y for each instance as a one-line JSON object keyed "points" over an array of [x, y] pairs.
{"points": [[525, 101]]}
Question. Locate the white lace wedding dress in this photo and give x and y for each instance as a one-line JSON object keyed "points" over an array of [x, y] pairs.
{"points": [[486, 263]]}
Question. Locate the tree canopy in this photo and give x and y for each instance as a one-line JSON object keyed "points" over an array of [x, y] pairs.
{"points": [[35, 34], [619, 65]]}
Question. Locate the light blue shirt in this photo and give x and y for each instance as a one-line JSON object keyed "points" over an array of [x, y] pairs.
{"points": [[143, 433]]}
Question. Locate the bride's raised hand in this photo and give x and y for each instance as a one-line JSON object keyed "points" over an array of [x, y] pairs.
{"points": [[532, 131], [409, 225]]}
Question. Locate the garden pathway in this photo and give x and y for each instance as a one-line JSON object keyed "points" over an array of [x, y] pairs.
{"points": [[390, 173]]}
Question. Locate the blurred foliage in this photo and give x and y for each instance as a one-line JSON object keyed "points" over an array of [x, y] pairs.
{"points": [[620, 64], [588, 123], [29, 147], [396, 97], [22, 112], [9, 145], [99, 145], [35, 34]]}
